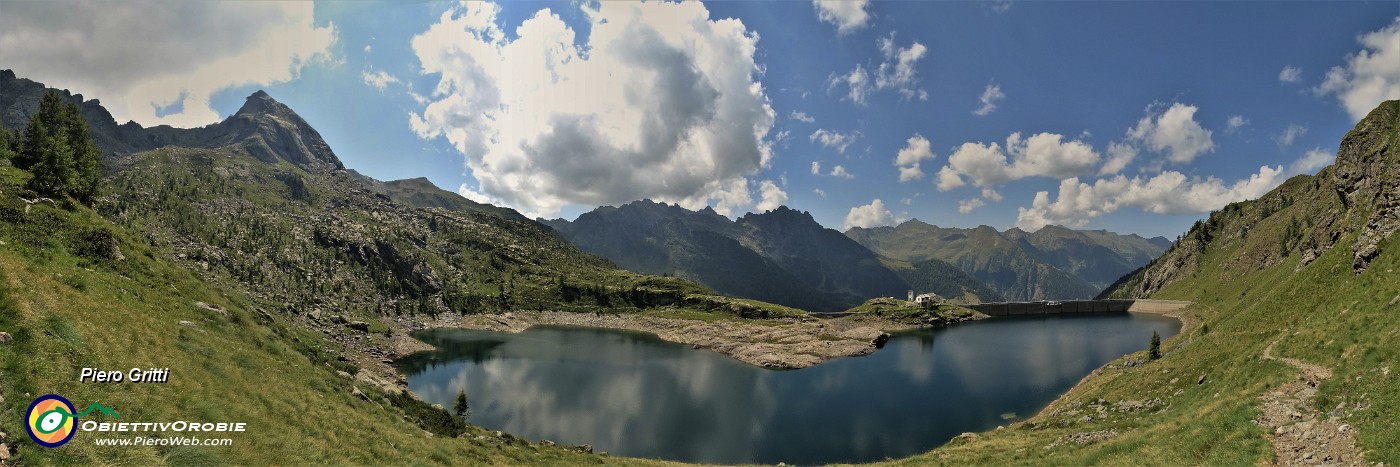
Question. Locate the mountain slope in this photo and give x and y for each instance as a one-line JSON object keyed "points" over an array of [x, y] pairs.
{"points": [[260, 202], [943, 279], [1052, 263], [782, 256], [77, 291], [421, 193]]}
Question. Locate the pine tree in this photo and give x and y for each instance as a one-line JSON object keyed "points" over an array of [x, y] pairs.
{"points": [[460, 406], [1154, 347], [87, 162], [58, 149], [53, 173], [9, 144]]}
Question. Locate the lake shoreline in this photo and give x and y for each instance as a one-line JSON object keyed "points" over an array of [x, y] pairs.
{"points": [[1189, 323], [780, 344]]}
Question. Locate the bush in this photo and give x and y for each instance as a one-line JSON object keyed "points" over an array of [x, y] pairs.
{"points": [[428, 417]]}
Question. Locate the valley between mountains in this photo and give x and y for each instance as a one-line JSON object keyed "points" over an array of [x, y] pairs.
{"points": [[282, 284]]}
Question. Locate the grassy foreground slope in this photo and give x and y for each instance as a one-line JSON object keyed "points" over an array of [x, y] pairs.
{"points": [[78, 291], [1308, 267]]}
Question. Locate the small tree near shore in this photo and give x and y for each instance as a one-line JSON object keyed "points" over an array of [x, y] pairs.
{"points": [[1154, 347], [460, 405]]}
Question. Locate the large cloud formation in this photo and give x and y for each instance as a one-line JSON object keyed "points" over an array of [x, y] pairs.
{"points": [[659, 101], [1041, 155], [1169, 192], [1174, 132], [1370, 76], [160, 61]]}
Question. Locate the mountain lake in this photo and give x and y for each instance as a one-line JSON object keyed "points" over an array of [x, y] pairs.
{"points": [[632, 394]]}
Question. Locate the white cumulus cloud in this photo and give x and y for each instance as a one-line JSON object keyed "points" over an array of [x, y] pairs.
{"points": [[819, 192], [857, 83], [1041, 155], [1174, 133], [1370, 76], [968, 205], [871, 215], [770, 196], [1312, 160], [801, 117], [840, 171], [1119, 156], [990, 96], [916, 149], [160, 61], [659, 101], [847, 15], [1169, 192], [379, 80], [896, 71], [1290, 74], [816, 168], [833, 139], [1234, 123], [949, 179]]}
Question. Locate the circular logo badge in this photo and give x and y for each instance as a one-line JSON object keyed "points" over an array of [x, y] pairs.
{"points": [[50, 421]]}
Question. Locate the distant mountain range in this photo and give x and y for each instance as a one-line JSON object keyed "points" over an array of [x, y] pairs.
{"points": [[781, 256], [1052, 263], [784, 256]]}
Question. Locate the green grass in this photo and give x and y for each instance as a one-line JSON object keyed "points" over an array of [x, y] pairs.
{"points": [[1241, 270], [274, 375], [903, 312]]}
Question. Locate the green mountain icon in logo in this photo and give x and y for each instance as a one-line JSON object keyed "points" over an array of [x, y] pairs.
{"points": [[98, 407]]}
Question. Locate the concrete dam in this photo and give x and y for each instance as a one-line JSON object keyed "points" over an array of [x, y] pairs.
{"points": [[1076, 306]]}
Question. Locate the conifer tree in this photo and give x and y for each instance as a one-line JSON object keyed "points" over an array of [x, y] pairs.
{"points": [[58, 149], [460, 404], [1154, 347]]}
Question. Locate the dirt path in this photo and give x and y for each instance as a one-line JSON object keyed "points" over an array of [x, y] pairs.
{"points": [[1302, 435]]}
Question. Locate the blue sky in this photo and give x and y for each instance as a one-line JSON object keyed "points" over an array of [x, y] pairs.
{"points": [[1130, 116]]}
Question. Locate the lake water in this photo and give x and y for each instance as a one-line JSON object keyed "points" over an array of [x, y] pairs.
{"points": [[632, 394]]}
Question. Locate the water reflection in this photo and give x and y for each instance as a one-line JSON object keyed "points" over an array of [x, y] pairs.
{"points": [[632, 394]]}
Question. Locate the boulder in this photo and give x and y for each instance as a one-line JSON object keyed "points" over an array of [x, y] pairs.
{"points": [[359, 326], [186, 324], [6, 338]]}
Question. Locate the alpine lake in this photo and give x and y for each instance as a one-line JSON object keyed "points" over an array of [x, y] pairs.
{"points": [[632, 394]]}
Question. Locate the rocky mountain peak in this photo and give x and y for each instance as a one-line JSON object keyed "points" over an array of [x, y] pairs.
{"points": [[269, 130], [781, 214], [263, 127]]}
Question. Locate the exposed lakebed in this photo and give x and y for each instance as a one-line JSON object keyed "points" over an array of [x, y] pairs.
{"points": [[633, 394]]}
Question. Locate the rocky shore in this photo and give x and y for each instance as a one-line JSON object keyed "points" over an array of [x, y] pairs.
{"points": [[787, 343]]}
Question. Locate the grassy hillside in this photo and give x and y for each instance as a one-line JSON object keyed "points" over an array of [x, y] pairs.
{"points": [[77, 291], [1308, 269]]}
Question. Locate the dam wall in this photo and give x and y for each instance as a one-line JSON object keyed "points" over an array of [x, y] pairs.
{"points": [[1076, 306]]}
